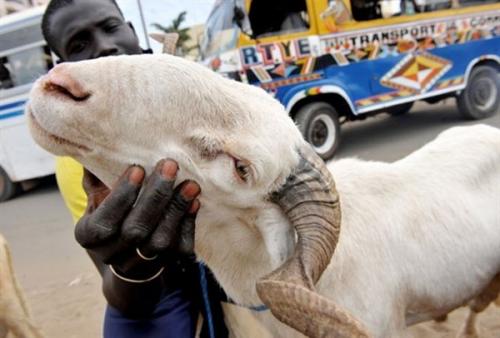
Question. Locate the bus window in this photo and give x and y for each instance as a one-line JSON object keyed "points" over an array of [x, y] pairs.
{"points": [[467, 3], [390, 8], [422, 6], [435, 5], [375, 9], [220, 33], [365, 10], [278, 17]]}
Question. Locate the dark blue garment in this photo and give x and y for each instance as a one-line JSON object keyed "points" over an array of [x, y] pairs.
{"points": [[175, 316], [192, 290]]}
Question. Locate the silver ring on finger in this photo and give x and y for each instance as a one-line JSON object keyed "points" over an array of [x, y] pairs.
{"points": [[144, 257]]}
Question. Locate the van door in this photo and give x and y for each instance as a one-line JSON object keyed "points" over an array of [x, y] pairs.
{"points": [[24, 57]]}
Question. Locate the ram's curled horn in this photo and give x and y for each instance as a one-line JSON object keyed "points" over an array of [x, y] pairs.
{"points": [[168, 40], [310, 201]]}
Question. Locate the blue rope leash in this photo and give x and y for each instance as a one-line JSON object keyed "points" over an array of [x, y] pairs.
{"points": [[258, 308], [206, 301]]}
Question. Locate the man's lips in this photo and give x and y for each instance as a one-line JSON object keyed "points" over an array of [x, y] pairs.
{"points": [[54, 138]]}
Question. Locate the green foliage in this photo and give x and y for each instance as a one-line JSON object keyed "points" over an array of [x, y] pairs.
{"points": [[175, 27]]}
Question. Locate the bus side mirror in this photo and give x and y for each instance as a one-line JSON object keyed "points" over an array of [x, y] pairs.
{"points": [[336, 13], [239, 18]]}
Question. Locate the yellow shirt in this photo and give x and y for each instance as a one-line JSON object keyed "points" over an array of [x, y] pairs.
{"points": [[69, 176]]}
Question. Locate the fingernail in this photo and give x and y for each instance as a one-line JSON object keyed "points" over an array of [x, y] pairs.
{"points": [[190, 190], [136, 175], [169, 169], [195, 206]]}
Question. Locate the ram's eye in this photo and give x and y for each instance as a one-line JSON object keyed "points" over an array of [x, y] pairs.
{"points": [[242, 169]]}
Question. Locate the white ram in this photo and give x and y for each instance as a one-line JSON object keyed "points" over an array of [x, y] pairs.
{"points": [[419, 237]]}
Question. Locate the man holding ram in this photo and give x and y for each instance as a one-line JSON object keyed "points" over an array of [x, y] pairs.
{"points": [[268, 225], [141, 245]]}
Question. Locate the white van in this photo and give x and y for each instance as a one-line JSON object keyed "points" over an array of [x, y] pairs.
{"points": [[24, 56]]}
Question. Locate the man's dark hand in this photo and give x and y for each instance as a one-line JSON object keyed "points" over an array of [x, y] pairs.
{"points": [[160, 219]]}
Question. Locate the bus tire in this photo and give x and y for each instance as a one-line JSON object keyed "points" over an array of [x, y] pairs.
{"points": [[481, 98], [400, 109], [8, 189], [319, 124]]}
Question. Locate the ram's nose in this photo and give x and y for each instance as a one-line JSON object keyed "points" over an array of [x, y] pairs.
{"points": [[60, 81]]}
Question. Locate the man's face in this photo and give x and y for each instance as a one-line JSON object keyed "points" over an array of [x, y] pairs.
{"points": [[88, 29]]}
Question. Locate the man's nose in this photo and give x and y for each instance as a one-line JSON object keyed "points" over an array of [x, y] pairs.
{"points": [[105, 46], [108, 51], [59, 80]]}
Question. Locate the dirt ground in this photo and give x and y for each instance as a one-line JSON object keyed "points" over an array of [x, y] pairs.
{"points": [[488, 323], [74, 310]]}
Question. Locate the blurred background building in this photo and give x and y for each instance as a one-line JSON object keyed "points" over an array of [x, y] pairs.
{"points": [[11, 6], [186, 17]]}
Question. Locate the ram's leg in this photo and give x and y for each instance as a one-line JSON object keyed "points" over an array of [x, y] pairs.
{"points": [[478, 305], [469, 330], [14, 315], [21, 328], [3, 331]]}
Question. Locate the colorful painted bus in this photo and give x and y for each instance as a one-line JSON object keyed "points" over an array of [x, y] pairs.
{"points": [[24, 56], [332, 61]]}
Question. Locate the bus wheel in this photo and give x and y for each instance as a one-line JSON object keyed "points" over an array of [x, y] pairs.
{"points": [[400, 109], [319, 124], [481, 98], [7, 188]]}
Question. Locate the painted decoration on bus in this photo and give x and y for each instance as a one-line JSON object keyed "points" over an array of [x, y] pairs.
{"points": [[286, 62], [421, 36], [416, 73]]}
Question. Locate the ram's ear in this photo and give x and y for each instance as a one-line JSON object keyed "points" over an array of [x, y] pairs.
{"points": [[168, 40]]}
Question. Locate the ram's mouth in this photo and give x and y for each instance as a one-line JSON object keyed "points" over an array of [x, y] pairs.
{"points": [[53, 138]]}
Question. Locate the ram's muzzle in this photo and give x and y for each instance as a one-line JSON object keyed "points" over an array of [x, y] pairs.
{"points": [[310, 201]]}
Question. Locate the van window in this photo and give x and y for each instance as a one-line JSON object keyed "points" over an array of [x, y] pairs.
{"points": [[24, 56], [269, 18], [5, 78], [25, 66], [20, 37]]}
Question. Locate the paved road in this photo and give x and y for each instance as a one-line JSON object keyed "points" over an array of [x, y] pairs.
{"points": [[61, 283], [388, 138]]}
